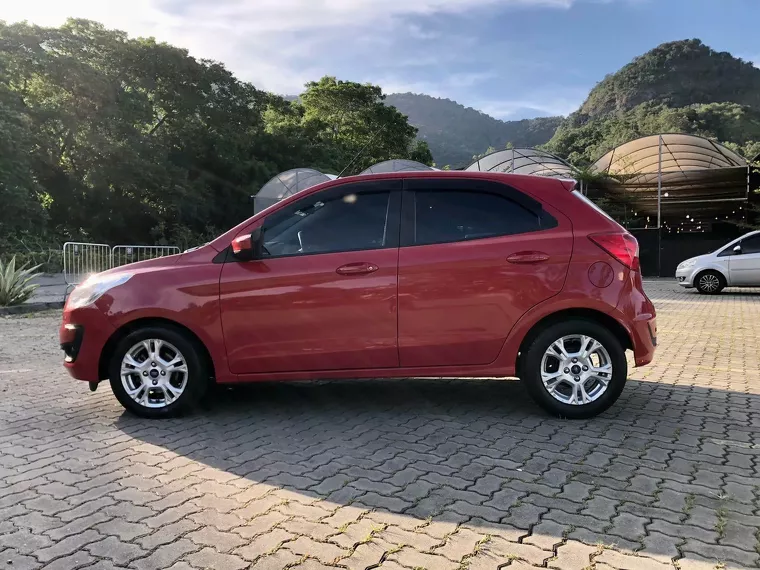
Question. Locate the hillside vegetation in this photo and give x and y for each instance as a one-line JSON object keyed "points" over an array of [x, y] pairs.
{"points": [[679, 86], [108, 138], [456, 133]]}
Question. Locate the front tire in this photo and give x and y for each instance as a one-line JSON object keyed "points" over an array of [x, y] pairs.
{"points": [[157, 372], [710, 282], [575, 369]]}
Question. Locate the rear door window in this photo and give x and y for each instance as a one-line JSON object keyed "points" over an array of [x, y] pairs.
{"points": [[445, 215]]}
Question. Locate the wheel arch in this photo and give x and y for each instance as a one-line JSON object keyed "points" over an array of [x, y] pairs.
{"points": [[593, 315], [113, 341], [720, 271]]}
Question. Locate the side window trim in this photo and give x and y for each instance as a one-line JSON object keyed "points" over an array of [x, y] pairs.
{"points": [[391, 232], [412, 185]]}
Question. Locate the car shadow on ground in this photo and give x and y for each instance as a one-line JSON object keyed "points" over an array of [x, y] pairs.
{"points": [[665, 464]]}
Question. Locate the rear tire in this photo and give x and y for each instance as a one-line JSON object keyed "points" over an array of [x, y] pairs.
{"points": [[158, 372], [580, 380], [710, 282]]}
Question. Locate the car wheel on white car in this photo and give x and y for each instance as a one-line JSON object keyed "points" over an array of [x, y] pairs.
{"points": [[710, 282]]}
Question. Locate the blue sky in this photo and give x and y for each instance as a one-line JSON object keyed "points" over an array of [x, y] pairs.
{"points": [[512, 59]]}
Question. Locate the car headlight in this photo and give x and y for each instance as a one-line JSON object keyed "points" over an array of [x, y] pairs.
{"points": [[95, 287], [688, 264]]}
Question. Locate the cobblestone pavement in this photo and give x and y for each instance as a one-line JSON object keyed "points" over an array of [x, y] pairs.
{"points": [[393, 474]]}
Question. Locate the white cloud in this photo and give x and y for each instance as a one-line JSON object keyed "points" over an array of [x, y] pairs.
{"points": [[264, 41]]}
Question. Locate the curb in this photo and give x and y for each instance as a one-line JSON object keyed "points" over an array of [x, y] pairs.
{"points": [[30, 308]]}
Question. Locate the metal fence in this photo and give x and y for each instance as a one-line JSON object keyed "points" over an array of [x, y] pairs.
{"points": [[123, 254], [82, 259]]}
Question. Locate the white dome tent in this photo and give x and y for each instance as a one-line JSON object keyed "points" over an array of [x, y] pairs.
{"points": [[286, 184], [396, 165], [523, 161]]}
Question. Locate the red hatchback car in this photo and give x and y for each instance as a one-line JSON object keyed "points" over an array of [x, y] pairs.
{"points": [[411, 274]]}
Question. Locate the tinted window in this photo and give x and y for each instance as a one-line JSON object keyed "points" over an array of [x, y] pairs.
{"points": [[457, 215], [751, 244], [332, 221]]}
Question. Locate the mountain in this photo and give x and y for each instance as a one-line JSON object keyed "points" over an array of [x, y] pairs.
{"points": [[676, 74], [456, 133], [683, 86]]}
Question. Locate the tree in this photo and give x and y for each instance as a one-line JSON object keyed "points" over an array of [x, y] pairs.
{"points": [[353, 122], [114, 139]]}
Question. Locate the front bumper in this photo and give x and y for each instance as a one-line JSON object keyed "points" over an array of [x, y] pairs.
{"points": [[685, 277], [83, 334]]}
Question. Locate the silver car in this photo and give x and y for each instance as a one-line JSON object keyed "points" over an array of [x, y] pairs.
{"points": [[734, 265]]}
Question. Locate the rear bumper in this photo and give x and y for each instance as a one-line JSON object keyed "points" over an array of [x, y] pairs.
{"points": [[83, 334], [644, 333]]}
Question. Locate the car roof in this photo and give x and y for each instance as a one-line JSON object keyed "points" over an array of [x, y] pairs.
{"points": [[471, 174]]}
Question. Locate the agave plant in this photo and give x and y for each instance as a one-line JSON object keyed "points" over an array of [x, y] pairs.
{"points": [[15, 284]]}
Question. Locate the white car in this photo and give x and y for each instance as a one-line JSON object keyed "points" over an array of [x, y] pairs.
{"points": [[736, 264]]}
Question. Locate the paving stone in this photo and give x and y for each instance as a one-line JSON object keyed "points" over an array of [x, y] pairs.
{"points": [[71, 562], [67, 546], [121, 529], [460, 544], [283, 558], [367, 555], [659, 546], [264, 543], [745, 557], [524, 516], [325, 552], [572, 556], [413, 559], [120, 552], [628, 526], [684, 531], [220, 541], [546, 535], [213, 560], [165, 555], [167, 534], [624, 561], [515, 551], [13, 560]]}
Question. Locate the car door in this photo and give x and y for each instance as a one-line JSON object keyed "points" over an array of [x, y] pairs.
{"points": [[744, 266], [475, 256], [324, 297]]}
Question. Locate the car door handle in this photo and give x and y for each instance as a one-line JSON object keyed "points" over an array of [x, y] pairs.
{"points": [[358, 268], [528, 257]]}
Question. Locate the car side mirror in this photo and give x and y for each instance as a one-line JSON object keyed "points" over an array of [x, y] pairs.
{"points": [[249, 247], [738, 248]]}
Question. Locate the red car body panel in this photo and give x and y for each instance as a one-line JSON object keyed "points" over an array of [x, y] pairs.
{"points": [[458, 301], [297, 313], [453, 309]]}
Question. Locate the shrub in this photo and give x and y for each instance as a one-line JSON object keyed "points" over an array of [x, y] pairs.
{"points": [[15, 284], [48, 260]]}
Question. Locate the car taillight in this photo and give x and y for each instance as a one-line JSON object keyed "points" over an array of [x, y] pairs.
{"points": [[622, 246]]}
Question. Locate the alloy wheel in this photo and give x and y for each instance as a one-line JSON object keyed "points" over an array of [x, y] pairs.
{"points": [[154, 373], [576, 369], [709, 283]]}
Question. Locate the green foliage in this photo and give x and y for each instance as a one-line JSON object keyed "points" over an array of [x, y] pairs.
{"points": [[676, 74], [112, 139], [456, 133], [736, 125], [15, 284], [682, 87]]}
